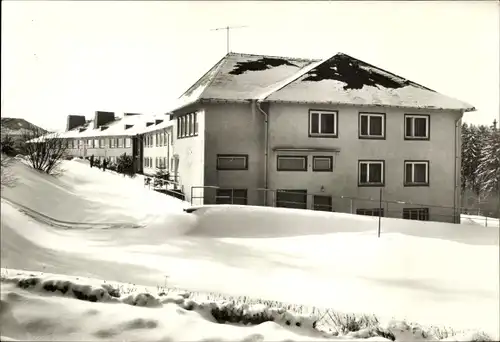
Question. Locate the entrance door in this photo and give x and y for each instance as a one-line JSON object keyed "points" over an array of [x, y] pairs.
{"points": [[291, 199]]}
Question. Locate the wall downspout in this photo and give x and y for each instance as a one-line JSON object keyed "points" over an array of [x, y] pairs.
{"points": [[266, 148], [455, 173]]}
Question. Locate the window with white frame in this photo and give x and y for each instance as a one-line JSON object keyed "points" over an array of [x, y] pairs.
{"points": [[90, 143], [416, 173], [102, 143], [372, 125], [322, 163], [161, 138], [417, 127], [232, 162], [323, 123], [112, 143], [145, 162], [291, 163], [120, 142], [371, 173], [128, 142], [157, 140], [96, 143]]}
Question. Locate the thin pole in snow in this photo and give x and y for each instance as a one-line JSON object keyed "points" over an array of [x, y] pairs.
{"points": [[227, 28], [379, 213]]}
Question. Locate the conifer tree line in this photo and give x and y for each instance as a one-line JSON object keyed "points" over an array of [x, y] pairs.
{"points": [[480, 168]]}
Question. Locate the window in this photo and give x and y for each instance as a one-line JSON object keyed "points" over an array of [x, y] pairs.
{"points": [[102, 143], [322, 203], [420, 214], [323, 123], [189, 124], [112, 143], [292, 163], [371, 125], [183, 128], [119, 142], [231, 196], [416, 173], [161, 139], [128, 142], [322, 163], [90, 143], [371, 212], [417, 127], [157, 140], [291, 199], [232, 162], [165, 161], [81, 143], [96, 143], [195, 120], [371, 173]]}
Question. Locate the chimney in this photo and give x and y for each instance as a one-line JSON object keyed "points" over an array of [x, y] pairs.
{"points": [[74, 121], [102, 118], [157, 121]]}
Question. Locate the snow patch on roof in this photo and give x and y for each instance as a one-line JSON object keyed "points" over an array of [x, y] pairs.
{"points": [[342, 79], [242, 77], [135, 123], [162, 125]]}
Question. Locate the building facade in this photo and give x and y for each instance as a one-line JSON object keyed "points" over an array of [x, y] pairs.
{"points": [[310, 134]]}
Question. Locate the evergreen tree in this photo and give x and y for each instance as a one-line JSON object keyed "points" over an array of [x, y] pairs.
{"points": [[473, 138], [466, 153], [488, 170]]}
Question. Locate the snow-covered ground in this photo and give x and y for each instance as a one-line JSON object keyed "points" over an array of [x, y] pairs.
{"points": [[90, 223], [484, 221]]}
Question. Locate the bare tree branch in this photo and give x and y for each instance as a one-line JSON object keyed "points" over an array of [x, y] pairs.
{"points": [[44, 152]]}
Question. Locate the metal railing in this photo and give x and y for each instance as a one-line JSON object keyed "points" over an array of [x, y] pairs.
{"points": [[380, 206]]}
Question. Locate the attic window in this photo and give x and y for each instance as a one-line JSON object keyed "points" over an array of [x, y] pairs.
{"points": [[104, 128], [82, 129], [148, 124], [157, 121], [128, 126]]}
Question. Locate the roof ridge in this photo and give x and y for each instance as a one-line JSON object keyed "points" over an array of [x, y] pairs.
{"points": [[273, 56], [283, 83]]}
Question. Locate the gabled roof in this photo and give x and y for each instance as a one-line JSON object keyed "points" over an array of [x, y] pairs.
{"points": [[242, 77], [343, 79]]}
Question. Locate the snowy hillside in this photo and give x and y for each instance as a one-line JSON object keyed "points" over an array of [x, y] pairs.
{"points": [[93, 224]]}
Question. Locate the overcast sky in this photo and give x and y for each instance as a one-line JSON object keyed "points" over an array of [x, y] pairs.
{"points": [[61, 58]]}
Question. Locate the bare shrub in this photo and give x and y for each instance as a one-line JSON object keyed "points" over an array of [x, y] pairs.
{"points": [[44, 152], [7, 177]]}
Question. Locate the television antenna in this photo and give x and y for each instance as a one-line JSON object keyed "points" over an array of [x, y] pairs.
{"points": [[227, 28]]}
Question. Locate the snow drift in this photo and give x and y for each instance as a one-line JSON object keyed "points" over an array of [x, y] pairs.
{"points": [[426, 272]]}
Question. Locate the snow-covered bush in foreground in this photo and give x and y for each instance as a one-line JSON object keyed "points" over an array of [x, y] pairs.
{"points": [[350, 327]]}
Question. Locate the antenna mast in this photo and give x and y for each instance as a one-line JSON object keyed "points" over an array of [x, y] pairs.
{"points": [[227, 28]]}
